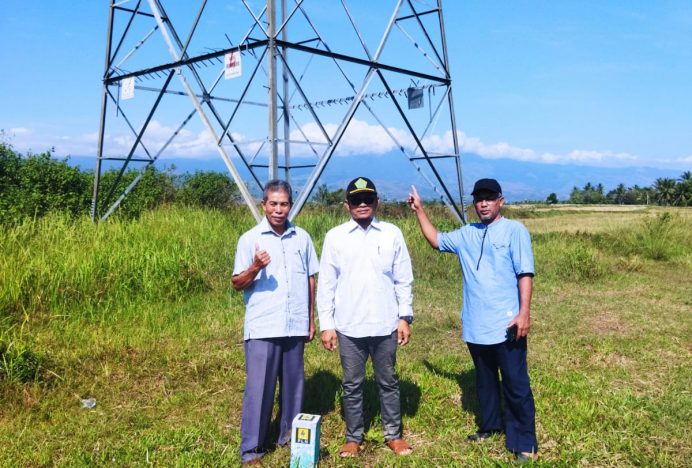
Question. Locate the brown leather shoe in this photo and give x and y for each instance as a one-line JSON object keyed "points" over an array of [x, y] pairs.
{"points": [[349, 450], [399, 447], [254, 461]]}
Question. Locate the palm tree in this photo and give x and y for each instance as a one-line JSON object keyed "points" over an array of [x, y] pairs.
{"points": [[618, 194], [666, 191], [685, 188]]}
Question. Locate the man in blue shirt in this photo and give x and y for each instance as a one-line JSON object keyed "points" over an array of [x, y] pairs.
{"points": [[497, 268], [364, 302], [275, 267]]}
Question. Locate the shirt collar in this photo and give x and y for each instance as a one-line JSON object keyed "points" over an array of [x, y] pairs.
{"points": [[266, 228], [491, 225], [352, 225], [496, 223]]}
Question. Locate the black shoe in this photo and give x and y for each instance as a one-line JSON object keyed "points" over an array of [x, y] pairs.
{"points": [[480, 436]]}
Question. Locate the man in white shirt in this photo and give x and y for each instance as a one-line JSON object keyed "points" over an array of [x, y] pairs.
{"points": [[364, 302]]}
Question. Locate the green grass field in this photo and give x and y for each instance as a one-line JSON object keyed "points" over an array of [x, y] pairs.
{"points": [[140, 316]]}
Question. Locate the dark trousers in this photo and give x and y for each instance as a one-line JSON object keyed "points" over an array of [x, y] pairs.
{"points": [[520, 413], [265, 361], [354, 353]]}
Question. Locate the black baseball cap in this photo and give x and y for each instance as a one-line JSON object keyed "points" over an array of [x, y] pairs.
{"points": [[490, 185], [360, 185]]}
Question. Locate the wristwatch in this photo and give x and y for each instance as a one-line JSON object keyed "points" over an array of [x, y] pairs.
{"points": [[407, 318]]}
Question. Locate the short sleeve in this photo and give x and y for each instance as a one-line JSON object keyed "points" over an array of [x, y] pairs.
{"points": [[522, 255], [448, 241], [244, 254], [312, 260]]}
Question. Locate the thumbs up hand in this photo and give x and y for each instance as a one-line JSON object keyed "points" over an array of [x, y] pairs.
{"points": [[262, 258]]}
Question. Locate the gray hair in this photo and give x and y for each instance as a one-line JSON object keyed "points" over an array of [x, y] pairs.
{"points": [[278, 185]]}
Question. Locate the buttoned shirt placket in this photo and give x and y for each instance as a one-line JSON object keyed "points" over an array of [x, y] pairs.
{"points": [[288, 289]]}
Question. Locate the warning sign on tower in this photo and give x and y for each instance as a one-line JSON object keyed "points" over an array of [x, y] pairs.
{"points": [[231, 62], [127, 88]]}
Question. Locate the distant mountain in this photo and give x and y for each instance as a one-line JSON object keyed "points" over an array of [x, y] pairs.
{"points": [[535, 181], [393, 174]]}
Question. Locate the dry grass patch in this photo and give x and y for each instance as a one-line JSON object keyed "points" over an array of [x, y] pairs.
{"points": [[607, 323], [611, 360], [594, 218]]}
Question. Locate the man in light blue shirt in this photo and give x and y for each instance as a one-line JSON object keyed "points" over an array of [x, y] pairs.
{"points": [[497, 267], [275, 267], [364, 301]]}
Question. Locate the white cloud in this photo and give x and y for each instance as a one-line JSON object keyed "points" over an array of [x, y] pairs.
{"points": [[588, 157], [585, 157], [685, 161], [360, 138], [493, 150], [18, 131], [186, 144]]}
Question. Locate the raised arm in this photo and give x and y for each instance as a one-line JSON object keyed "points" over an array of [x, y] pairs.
{"points": [[244, 279], [426, 227]]}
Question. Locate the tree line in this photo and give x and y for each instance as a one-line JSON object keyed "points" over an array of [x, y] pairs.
{"points": [[34, 185], [665, 192]]}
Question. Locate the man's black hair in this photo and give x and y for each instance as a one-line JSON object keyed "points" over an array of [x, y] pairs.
{"points": [[277, 185]]}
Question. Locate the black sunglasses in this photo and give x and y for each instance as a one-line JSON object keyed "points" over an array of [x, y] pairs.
{"points": [[488, 197], [357, 200]]}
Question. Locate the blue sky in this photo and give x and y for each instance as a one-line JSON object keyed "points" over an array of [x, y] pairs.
{"points": [[603, 83]]}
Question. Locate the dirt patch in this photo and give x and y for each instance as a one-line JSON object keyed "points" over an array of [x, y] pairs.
{"points": [[608, 325], [611, 360]]}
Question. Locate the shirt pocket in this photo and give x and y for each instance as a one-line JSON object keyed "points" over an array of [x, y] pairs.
{"points": [[500, 250], [297, 261], [385, 256]]}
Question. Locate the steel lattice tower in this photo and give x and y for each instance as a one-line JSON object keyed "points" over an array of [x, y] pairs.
{"points": [[311, 71]]}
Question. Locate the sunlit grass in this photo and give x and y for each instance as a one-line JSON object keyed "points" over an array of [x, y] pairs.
{"points": [[140, 316], [590, 218]]}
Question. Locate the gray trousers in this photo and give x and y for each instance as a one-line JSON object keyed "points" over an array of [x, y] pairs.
{"points": [[354, 353], [265, 361]]}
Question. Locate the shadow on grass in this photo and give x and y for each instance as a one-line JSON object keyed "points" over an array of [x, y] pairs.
{"points": [[409, 395], [319, 394], [323, 388], [467, 385]]}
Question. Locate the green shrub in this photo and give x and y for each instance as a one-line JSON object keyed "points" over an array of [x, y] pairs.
{"points": [[323, 196], [35, 185], [661, 237], [567, 257], [18, 363], [207, 189], [153, 189]]}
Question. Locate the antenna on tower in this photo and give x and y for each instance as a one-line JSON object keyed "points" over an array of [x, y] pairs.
{"points": [[276, 90]]}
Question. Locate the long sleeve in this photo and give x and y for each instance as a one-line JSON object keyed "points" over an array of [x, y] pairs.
{"points": [[403, 278], [326, 289]]}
